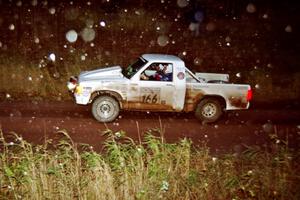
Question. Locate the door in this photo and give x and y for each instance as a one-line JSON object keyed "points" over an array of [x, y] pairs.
{"points": [[153, 89]]}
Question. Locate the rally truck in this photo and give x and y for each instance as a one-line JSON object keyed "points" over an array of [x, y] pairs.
{"points": [[157, 82]]}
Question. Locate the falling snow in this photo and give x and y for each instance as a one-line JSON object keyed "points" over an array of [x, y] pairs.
{"points": [[251, 8], [19, 3], [198, 61], [11, 27], [71, 36], [89, 23], [199, 16], [34, 2], [52, 10], [102, 23], [268, 127], [265, 16], [182, 3], [163, 40], [288, 29], [88, 34], [36, 40], [52, 57], [45, 3], [227, 39]]}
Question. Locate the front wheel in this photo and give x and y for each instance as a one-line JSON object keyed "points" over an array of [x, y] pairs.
{"points": [[208, 110], [105, 109]]}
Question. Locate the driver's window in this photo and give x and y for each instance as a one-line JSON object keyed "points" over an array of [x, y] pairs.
{"points": [[158, 72]]}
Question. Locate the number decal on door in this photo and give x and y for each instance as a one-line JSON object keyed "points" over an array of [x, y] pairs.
{"points": [[150, 95], [149, 98]]}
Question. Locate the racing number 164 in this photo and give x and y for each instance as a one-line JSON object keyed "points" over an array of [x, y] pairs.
{"points": [[149, 98]]}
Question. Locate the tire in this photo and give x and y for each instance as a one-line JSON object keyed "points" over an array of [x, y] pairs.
{"points": [[208, 110], [105, 109]]}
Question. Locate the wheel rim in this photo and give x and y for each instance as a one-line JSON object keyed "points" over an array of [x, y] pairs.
{"points": [[209, 110], [105, 109]]}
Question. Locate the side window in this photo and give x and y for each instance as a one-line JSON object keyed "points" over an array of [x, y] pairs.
{"points": [[158, 72]]}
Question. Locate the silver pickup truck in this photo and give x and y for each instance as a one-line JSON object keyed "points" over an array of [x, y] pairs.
{"points": [[157, 82]]}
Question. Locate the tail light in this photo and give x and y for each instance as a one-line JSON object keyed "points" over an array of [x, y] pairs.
{"points": [[249, 95]]}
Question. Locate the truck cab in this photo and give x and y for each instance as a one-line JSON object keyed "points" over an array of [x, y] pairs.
{"points": [[158, 83]]}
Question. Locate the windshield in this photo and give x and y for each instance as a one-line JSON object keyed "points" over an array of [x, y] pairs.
{"points": [[133, 68]]}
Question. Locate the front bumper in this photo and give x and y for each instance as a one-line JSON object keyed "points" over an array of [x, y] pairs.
{"points": [[82, 99]]}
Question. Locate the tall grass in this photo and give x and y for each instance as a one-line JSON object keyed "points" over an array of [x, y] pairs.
{"points": [[149, 169]]}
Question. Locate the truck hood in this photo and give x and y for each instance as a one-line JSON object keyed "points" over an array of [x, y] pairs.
{"points": [[104, 73]]}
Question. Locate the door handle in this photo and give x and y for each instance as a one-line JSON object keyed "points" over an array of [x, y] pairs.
{"points": [[169, 84]]}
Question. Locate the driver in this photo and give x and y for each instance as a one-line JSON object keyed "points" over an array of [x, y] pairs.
{"points": [[160, 73]]}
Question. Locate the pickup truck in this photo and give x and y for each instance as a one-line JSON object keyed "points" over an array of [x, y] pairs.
{"points": [[157, 82]]}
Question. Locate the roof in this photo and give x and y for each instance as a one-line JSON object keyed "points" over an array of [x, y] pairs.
{"points": [[161, 58]]}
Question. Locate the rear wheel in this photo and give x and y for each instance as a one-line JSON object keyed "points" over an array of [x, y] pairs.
{"points": [[105, 109], [208, 110]]}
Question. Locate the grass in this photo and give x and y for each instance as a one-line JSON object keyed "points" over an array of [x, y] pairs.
{"points": [[25, 80], [149, 169]]}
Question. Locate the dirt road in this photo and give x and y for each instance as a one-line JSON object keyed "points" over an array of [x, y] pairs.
{"points": [[36, 121]]}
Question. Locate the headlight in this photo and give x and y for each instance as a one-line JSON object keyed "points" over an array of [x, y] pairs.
{"points": [[71, 86]]}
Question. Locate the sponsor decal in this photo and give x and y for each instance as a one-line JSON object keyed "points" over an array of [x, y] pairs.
{"points": [[86, 91], [180, 75]]}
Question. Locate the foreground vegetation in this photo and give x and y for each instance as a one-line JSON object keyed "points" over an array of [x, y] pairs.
{"points": [[147, 169]]}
